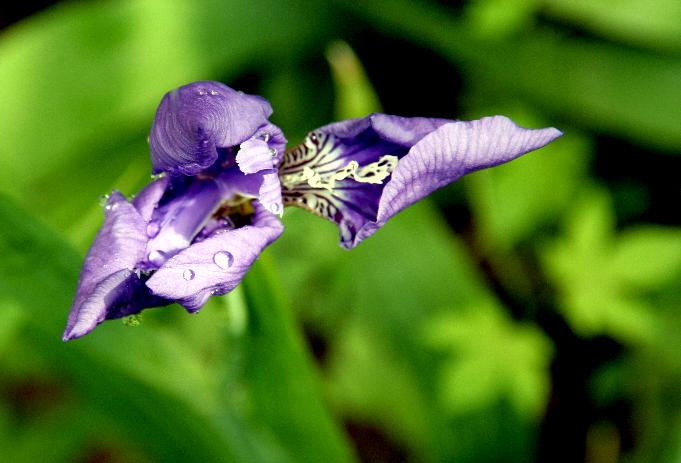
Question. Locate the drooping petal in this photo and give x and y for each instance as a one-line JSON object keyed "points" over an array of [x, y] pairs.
{"points": [[361, 172], [446, 154], [215, 265], [108, 266], [194, 120]]}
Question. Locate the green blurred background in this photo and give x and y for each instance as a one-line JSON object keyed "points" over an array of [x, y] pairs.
{"points": [[525, 313]]}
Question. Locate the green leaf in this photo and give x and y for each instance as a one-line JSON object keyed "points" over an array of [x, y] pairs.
{"points": [[174, 391], [650, 23], [602, 86], [605, 278], [492, 359], [285, 392], [648, 256], [355, 96]]}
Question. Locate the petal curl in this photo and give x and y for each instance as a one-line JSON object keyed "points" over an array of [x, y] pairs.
{"points": [[216, 265], [446, 154], [360, 172], [108, 266], [194, 120]]}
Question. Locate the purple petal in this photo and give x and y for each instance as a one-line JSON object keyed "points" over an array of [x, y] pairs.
{"points": [[108, 266], [270, 193], [180, 218], [194, 120], [359, 173], [453, 150], [147, 199], [254, 155], [216, 265], [404, 131]]}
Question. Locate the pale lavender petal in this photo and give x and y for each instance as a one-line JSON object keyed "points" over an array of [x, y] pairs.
{"points": [[270, 193], [254, 155], [194, 120], [217, 264], [147, 199], [118, 247], [405, 131], [446, 154], [180, 219]]}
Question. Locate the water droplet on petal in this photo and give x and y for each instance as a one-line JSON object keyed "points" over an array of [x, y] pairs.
{"points": [[152, 228], [103, 199], [265, 137], [275, 208], [203, 92], [223, 259], [214, 92], [273, 152], [156, 257], [188, 274], [157, 176]]}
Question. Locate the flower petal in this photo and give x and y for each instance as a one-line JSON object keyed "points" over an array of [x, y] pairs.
{"points": [[217, 264], [180, 217], [147, 199], [194, 120], [118, 247], [254, 155], [359, 173], [451, 151]]}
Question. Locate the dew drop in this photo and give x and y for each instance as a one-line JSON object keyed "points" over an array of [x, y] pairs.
{"points": [[265, 137], [188, 274], [273, 152], [203, 92], [275, 208], [152, 228], [156, 257], [214, 92], [223, 259], [103, 199], [157, 176]]}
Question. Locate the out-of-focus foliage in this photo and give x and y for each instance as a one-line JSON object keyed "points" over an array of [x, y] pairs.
{"points": [[528, 313]]}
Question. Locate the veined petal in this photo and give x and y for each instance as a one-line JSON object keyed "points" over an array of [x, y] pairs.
{"points": [[194, 120], [147, 199], [216, 265], [254, 155], [446, 154], [359, 173], [269, 194], [108, 266]]}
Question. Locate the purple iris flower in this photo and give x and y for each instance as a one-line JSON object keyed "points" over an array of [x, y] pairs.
{"points": [[224, 176]]}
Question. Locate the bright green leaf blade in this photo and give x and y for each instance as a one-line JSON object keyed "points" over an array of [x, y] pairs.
{"points": [[648, 256], [650, 23], [286, 394], [603, 86]]}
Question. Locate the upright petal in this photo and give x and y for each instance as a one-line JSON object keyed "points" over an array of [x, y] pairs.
{"points": [[194, 120], [215, 265], [147, 199], [107, 270]]}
